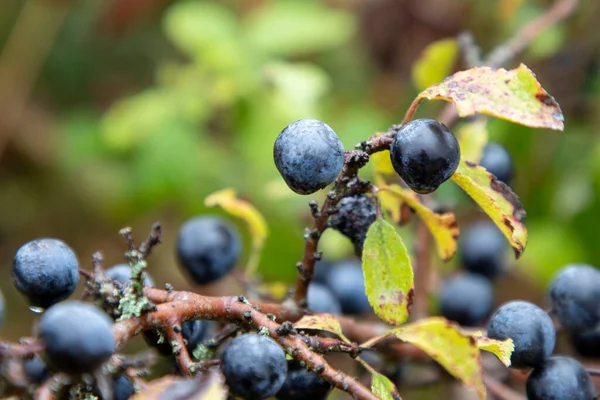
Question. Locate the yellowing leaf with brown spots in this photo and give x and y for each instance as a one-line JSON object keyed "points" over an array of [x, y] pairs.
{"points": [[496, 199], [227, 199], [388, 273], [322, 322], [500, 348], [443, 341], [443, 227], [201, 387], [514, 95], [472, 137], [383, 388]]}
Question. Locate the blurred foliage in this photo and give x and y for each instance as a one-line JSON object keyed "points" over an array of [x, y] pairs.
{"points": [[142, 109]]}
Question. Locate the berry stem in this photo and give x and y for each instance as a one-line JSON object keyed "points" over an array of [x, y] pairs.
{"points": [[410, 113]]}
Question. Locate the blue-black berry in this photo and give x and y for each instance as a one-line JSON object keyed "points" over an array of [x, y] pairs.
{"points": [[254, 366], [575, 296], [301, 384], [309, 155], [122, 274], [530, 329], [77, 336], [425, 154], [355, 216], [497, 160], [347, 282], [322, 300], [208, 248], [36, 370], [586, 343], [560, 378], [483, 249], [467, 299], [46, 271]]}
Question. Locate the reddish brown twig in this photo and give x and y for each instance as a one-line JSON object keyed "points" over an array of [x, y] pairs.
{"points": [[182, 357]]}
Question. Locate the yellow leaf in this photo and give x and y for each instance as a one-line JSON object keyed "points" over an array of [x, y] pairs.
{"points": [[500, 348], [443, 227], [514, 95], [322, 322], [201, 387], [277, 290], [443, 341], [383, 388], [382, 163], [227, 199], [388, 273], [472, 137], [435, 63], [496, 199]]}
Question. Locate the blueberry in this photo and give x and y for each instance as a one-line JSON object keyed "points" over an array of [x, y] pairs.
{"points": [[497, 160], [575, 296], [122, 389], [195, 332], [560, 378], [347, 282], [36, 370], [425, 154], [467, 299], [122, 274], [309, 155], [301, 384], [77, 336], [587, 343], [208, 248], [529, 327], [483, 249], [254, 366], [322, 300], [355, 216], [46, 271]]}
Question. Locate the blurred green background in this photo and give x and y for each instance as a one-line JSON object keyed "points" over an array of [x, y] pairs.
{"points": [[125, 112]]}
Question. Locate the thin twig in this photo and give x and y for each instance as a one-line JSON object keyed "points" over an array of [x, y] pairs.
{"points": [[152, 240], [182, 357]]}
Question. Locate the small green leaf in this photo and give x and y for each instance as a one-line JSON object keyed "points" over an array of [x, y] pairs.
{"points": [[500, 348], [383, 388], [227, 199], [514, 95], [444, 342], [472, 137], [388, 273], [443, 227], [435, 63], [496, 199]]}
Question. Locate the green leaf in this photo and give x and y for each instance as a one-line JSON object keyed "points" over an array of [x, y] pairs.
{"points": [[227, 199], [435, 63], [472, 137], [443, 227], [206, 30], [514, 95], [500, 348], [444, 342], [388, 273], [292, 27], [496, 199], [383, 388]]}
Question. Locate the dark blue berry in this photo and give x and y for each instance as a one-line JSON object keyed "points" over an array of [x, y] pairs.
{"points": [[530, 328], [587, 343], [467, 299], [483, 249], [46, 271], [208, 248], [301, 384], [560, 378], [309, 155], [36, 370], [355, 216], [123, 388], [322, 300], [575, 296], [321, 271], [254, 366], [425, 154], [77, 336], [497, 160], [347, 282], [195, 332], [122, 274]]}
